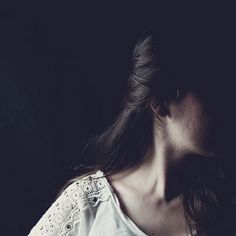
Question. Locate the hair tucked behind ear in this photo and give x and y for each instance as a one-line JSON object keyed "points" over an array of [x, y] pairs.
{"points": [[154, 78]]}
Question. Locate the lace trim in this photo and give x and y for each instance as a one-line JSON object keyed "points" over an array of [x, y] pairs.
{"points": [[66, 211]]}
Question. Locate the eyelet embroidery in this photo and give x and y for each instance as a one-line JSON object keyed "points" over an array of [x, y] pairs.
{"points": [[68, 208]]}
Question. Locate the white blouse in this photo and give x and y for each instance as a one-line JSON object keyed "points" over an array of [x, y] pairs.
{"points": [[87, 207]]}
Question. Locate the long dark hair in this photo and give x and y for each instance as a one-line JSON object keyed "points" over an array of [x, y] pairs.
{"points": [[156, 74]]}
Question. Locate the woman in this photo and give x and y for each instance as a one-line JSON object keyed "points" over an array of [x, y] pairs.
{"points": [[158, 168]]}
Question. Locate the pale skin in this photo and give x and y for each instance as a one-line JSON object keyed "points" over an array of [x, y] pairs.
{"points": [[149, 192]]}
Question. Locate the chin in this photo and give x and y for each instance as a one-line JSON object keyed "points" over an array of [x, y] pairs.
{"points": [[204, 149], [209, 152]]}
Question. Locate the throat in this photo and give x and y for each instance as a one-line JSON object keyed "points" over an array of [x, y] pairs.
{"points": [[169, 181]]}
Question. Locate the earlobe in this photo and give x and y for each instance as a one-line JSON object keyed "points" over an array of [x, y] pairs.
{"points": [[154, 107], [163, 109]]}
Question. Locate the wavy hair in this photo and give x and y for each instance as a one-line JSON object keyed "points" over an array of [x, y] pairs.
{"points": [[158, 70]]}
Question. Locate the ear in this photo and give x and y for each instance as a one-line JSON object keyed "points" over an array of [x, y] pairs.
{"points": [[160, 109]]}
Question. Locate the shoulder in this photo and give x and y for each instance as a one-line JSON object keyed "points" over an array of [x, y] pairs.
{"points": [[65, 213]]}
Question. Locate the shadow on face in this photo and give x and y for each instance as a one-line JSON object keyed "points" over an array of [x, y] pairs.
{"points": [[208, 71], [218, 99]]}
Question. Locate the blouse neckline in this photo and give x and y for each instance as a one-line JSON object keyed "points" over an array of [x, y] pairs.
{"points": [[116, 202]]}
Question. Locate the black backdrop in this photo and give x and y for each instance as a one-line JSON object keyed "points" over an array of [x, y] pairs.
{"points": [[63, 67]]}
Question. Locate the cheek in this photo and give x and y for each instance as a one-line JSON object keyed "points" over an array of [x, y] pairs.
{"points": [[197, 125]]}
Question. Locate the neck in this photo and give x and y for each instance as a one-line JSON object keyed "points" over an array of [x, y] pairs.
{"points": [[161, 168], [166, 170]]}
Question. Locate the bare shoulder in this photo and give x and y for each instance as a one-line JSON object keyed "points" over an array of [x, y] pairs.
{"points": [[125, 186], [122, 182]]}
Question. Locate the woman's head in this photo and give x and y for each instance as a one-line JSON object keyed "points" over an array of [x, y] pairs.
{"points": [[172, 88], [162, 84], [178, 84]]}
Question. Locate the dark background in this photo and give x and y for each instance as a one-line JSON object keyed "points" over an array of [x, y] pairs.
{"points": [[63, 68]]}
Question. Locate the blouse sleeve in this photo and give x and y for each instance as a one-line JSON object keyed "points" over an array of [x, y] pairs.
{"points": [[64, 215]]}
